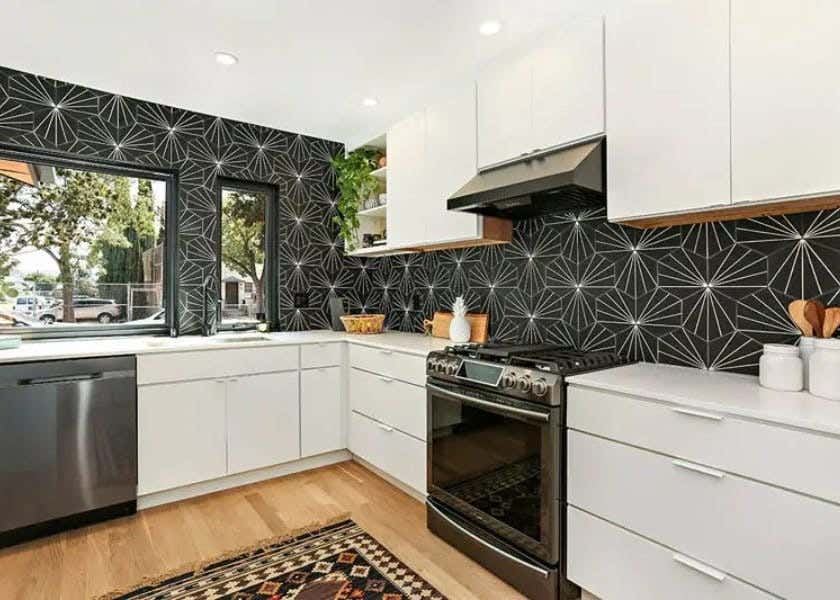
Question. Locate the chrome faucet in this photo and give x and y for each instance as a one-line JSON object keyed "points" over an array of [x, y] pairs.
{"points": [[208, 327]]}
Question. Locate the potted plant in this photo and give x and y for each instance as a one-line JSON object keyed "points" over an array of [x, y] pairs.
{"points": [[355, 184]]}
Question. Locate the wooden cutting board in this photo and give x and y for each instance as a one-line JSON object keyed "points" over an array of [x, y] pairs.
{"points": [[439, 325]]}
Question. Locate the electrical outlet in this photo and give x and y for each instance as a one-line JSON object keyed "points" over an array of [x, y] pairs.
{"points": [[301, 299]]}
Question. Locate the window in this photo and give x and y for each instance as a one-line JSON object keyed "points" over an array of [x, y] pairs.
{"points": [[82, 248], [246, 297]]}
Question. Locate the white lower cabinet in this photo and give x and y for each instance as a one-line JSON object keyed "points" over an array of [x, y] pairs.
{"points": [[399, 455], [181, 434], [263, 416], [322, 413], [615, 564]]}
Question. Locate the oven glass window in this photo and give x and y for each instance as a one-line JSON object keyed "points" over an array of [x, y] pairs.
{"points": [[488, 464]]}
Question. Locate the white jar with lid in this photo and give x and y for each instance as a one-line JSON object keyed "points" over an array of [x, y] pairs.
{"points": [[780, 368], [824, 369], [806, 349]]}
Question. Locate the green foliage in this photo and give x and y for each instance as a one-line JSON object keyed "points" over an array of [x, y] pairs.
{"points": [[243, 237], [355, 185]]}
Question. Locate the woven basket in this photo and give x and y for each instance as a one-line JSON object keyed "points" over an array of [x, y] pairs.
{"points": [[363, 323]]}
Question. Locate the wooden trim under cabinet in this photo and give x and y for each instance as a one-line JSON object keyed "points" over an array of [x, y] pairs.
{"points": [[495, 230], [736, 212]]}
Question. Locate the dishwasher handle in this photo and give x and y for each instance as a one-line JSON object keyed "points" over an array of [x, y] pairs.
{"points": [[60, 379]]}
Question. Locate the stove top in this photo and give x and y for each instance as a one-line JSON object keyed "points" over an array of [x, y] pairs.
{"points": [[534, 372]]}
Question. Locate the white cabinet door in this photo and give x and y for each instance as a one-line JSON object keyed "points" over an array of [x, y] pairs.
{"points": [[406, 180], [263, 414], [504, 110], [450, 163], [180, 434], [568, 88], [668, 125], [322, 412], [785, 98]]}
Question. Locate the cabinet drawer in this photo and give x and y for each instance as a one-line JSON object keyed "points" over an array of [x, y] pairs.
{"points": [[322, 354], [794, 459], [615, 564], [406, 367], [778, 540], [204, 364], [390, 401], [397, 454]]}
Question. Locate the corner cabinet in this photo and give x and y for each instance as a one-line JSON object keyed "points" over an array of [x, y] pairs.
{"points": [[431, 154], [668, 117], [785, 99], [548, 95]]}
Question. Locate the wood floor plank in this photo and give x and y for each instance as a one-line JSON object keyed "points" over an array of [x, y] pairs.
{"points": [[94, 560]]}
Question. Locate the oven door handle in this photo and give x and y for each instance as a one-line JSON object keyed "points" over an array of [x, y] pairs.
{"points": [[488, 545], [502, 408]]}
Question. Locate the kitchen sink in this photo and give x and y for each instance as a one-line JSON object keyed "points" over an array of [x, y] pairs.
{"points": [[240, 339]]}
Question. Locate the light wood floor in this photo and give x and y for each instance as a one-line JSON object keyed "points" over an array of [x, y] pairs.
{"points": [[87, 562]]}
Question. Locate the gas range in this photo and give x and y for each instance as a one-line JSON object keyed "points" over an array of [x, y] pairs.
{"points": [[532, 372]]}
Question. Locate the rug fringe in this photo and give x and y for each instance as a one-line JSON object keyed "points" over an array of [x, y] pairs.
{"points": [[197, 567]]}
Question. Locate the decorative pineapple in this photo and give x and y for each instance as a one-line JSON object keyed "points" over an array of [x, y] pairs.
{"points": [[459, 328]]}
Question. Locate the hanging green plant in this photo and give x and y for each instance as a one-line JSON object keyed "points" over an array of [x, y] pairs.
{"points": [[355, 185]]}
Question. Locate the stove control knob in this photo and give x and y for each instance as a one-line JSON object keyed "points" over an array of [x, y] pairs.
{"points": [[509, 380], [540, 387], [523, 384], [451, 368]]}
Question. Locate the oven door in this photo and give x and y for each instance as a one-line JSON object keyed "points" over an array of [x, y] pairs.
{"points": [[495, 461]]}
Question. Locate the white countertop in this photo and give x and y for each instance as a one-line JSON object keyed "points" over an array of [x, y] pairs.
{"points": [[412, 343], [728, 393]]}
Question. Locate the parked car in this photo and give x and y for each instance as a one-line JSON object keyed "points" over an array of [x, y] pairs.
{"points": [[156, 317], [85, 309], [29, 305], [12, 319]]}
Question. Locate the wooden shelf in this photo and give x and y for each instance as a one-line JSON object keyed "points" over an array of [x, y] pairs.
{"points": [[371, 251], [380, 173], [376, 211]]}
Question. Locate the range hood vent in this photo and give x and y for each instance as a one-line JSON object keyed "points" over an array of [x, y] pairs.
{"points": [[567, 179]]}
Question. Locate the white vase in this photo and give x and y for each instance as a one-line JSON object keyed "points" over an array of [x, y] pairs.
{"points": [[459, 329]]}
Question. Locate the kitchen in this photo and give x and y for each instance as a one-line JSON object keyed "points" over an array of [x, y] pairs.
{"points": [[635, 203]]}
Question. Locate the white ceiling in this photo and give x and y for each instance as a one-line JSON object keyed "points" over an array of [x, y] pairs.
{"points": [[305, 66]]}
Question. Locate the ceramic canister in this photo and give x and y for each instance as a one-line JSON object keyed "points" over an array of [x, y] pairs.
{"points": [[780, 368], [806, 349], [824, 369]]}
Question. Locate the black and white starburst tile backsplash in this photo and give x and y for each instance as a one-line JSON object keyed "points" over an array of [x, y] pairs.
{"points": [[705, 296]]}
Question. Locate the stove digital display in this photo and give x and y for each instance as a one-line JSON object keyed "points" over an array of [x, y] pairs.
{"points": [[481, 372]]}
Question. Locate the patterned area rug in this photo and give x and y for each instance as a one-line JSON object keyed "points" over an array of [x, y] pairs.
{"points": [[338, 562]]}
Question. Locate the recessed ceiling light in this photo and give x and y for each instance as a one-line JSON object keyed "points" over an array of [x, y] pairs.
{"points": [[370, 102], [226, 58], [490, 28]]}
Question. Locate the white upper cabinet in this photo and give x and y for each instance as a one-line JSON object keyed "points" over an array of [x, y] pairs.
{"points": [[568, 84], [450, 163], [668, 113], [549, 95], [505, 119], [406, 166], [785, 98], [431, 154]]}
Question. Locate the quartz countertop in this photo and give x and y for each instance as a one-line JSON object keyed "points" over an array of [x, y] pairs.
{"points": [[411, 343], [726, 393]]}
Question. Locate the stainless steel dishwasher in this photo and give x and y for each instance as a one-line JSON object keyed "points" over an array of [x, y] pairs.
{"points": [[68, 444]]}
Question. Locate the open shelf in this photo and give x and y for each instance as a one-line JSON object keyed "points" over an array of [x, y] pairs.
{"points": [[376, 211], [380, 173]]}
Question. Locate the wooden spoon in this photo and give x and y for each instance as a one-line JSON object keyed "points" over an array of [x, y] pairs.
{"points": [[832, 322], [796, 309], [815, 314]]}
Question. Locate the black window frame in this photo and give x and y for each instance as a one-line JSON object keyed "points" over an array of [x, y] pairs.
{"points": [[270, 272], [170, 253]]}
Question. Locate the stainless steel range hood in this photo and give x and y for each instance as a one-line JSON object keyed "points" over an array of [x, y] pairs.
{"points": [[566, 179]]}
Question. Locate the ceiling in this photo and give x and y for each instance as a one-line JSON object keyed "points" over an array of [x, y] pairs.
{"points": [[305, 66]]}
